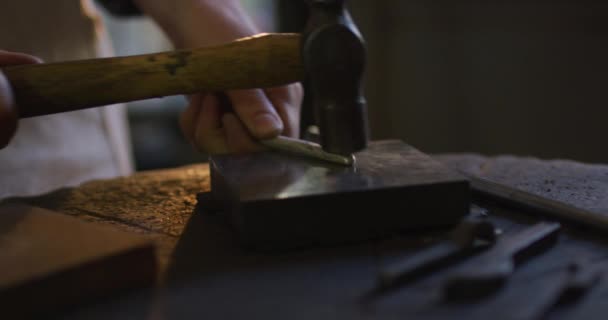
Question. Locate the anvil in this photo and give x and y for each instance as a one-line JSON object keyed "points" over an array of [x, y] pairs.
{"points": [[280, 201]]}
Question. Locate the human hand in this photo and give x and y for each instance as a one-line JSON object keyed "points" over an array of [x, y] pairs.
{"points": [[8, 114], [256, 114]]}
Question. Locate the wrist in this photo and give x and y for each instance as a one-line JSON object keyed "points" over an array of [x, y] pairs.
{"points": [[215, 22]]}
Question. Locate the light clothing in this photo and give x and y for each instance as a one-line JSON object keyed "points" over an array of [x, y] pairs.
{"points": [[51, 152]]}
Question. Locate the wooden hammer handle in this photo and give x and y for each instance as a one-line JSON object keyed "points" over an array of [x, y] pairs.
{"points": [[261, 61]]}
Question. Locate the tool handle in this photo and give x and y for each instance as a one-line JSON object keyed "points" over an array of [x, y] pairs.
{"points": [[489, 271], [434, 258], [583, 277], [261, 61], [466, 239], [530, 240]]}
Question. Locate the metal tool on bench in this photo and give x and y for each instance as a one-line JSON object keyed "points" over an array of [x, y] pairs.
{"points": [[559, 289], [579, 279], [589, 292], [487, 272], [466, 239]]}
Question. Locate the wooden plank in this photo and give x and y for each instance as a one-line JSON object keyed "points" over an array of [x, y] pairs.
{"points": [[49, 261]]}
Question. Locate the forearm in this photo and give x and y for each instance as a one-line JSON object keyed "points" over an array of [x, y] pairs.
{"points": [[195, 23], [258, 113]]}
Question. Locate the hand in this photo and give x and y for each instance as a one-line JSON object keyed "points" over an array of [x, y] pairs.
{"points": [[257, 114], [8, 114]]}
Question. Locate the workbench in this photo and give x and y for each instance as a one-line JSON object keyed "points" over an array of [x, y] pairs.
{"points": [[205, 273]]}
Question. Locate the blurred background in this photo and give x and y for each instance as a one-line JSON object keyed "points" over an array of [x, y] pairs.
{"points": [[492, 77]]}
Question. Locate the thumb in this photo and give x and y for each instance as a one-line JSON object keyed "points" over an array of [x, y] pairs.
{"points": [[8, 58]]}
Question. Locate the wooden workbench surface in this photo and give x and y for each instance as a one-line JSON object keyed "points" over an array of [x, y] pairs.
{"points": [[206, 274]]}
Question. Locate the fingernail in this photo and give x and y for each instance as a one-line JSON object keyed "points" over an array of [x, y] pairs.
{"points": [[267, 125]]}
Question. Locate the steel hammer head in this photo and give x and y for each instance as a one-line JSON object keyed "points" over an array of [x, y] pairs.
{"points": [[334, 58]]}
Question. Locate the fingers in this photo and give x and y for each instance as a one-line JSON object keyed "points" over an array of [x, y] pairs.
{"points": [[8, 116], [187, 119], [213, 132], [257, 113], [14, 58], [8, 113], [288, 101], [238, 138], [209, 135]]}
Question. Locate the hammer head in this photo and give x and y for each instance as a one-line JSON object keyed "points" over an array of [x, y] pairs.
{"points": [[334, 59]]}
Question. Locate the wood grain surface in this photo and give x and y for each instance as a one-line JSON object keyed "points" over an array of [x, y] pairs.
{"points": [[266, 60], [208, 274], [49, 261]]}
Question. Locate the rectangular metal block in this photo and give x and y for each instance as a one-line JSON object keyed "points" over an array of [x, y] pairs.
{"points": [[279, 201]]}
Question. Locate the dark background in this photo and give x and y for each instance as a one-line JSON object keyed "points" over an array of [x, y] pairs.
{"points": [[493, 77]]}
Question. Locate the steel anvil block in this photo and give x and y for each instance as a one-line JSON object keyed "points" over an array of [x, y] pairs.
{"points": [[278, 201]]}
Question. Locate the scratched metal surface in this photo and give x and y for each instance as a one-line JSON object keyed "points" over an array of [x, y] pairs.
{"points": [[279, 201], [384, 165], [584, 185], [208, 275]]}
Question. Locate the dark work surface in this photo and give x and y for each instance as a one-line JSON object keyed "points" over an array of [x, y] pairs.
{"points": [[212, 276], [51, 261], [207, 274], [279, 201]]}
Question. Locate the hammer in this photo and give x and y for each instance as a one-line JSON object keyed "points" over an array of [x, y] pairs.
{"points": [[260, 61], [330, 54]]}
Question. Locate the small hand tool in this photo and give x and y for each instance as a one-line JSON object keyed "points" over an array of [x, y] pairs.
{"points": [[293, 146], [580, 278], [592, 292], [487, 272], [465, 240], [307, 149], [536, 296]]}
